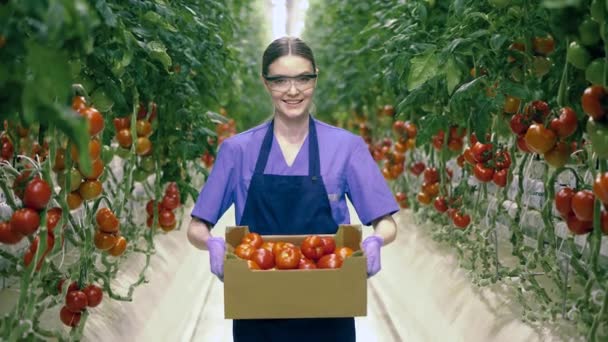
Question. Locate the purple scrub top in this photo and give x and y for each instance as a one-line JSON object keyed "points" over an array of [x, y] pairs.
{"points": [[347, 168]]}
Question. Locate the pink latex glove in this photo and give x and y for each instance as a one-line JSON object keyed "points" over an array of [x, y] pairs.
{"points": [[217, 250], [371, 247]]}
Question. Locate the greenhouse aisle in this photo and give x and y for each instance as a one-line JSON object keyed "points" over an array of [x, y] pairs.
{"points": [[420, 295]]}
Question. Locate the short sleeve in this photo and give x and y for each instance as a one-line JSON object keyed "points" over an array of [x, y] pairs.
{"points": [[366, 187], [218, 192]]}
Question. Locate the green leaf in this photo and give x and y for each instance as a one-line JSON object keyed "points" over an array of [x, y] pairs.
{"points": [[422, 69], [453, 75], [158, 52], [481, 118], [514, 89], [497, 41], [463, 89], [429, 125], [106, 13]]}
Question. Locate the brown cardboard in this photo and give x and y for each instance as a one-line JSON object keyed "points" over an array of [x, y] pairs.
{"points": [[295, 293]]}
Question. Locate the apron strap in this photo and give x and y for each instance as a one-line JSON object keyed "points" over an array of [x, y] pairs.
{"points": [[314, 165]]}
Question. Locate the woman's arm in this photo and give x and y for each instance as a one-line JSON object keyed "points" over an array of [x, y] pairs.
{"points": [[386, 228], [198, 233]]}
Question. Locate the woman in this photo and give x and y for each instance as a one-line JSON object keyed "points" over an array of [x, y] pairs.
{"points": [[281, 182]]}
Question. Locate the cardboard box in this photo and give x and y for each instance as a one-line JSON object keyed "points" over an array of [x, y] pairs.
{"points": [[314, 293]]}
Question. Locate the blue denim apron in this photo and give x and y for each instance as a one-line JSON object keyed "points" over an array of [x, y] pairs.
{"points": [[290, 205]]}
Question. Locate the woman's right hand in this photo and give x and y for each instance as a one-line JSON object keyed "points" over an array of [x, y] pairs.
{"points": [[199, 237]]}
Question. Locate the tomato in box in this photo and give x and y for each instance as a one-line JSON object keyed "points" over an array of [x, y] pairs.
{"points": [[253, 239], [244, 251], [344, 252], [288, 258], [330, 261], [313, 247], [263, 258], [329, 244], [278, 246]]}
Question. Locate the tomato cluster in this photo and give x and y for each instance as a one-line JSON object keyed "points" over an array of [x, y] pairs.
{"points": [[489, 164], [389, 152], [83, 186], [431, 186], [450, 206], [166, 207], [107, 235], [314, 252], [77, 300], [455, 140], [549, 140], [576, 208]]}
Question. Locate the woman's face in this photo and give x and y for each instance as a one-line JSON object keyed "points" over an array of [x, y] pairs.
{"points": [[292, 96]]}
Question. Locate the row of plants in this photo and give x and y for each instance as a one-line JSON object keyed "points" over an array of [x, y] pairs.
{"points": [[495, 90], [108, 107]]}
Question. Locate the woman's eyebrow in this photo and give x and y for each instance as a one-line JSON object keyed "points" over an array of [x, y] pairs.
{"points": [[300, 74]]}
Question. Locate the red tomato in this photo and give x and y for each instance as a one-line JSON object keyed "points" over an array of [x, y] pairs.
{"points": [[170, 201], [483, 173], [124, 137], [74, 200], [594, 102], [73, 286], [400, 196], [119, 248], [306, 264], [252, 265], [25, 221], [577, 226], [288, 258], [253, 239], [468, 156], [582, 205], [455, 145], [518, 124], [540, 139], [537, 111], [313, 247], [166, 219], [278, 246], [53, 216], [122, 123], [461, 221], [104, 241], [543, 45], [107, 221], [344, 252], [96, 170], [37, 194], [172, 189], [78, 103], [399, 127], [94, 120], [600, 187], [7, 235], [263, 258], [563, 201], [431, 175], [521, 144], [417, 168], [500, 178], [76, 301], [566, 124], [482, 152], [329, 244], [68, 317], [460, 160], [411, 130], [269, 245], [150, 207], [502, 159], [244, 251], [330, 261], [441, 204], [94, 295]]}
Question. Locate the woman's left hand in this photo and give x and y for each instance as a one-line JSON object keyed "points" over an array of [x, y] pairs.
{"points": [[371, 247]]}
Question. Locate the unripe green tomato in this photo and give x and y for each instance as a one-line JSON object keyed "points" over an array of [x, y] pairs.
{"points": [[578, 56], [123, 152], [140, 175], [147, 164], [589, 31], [598, 13], [595, 71], [107, 153]]}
